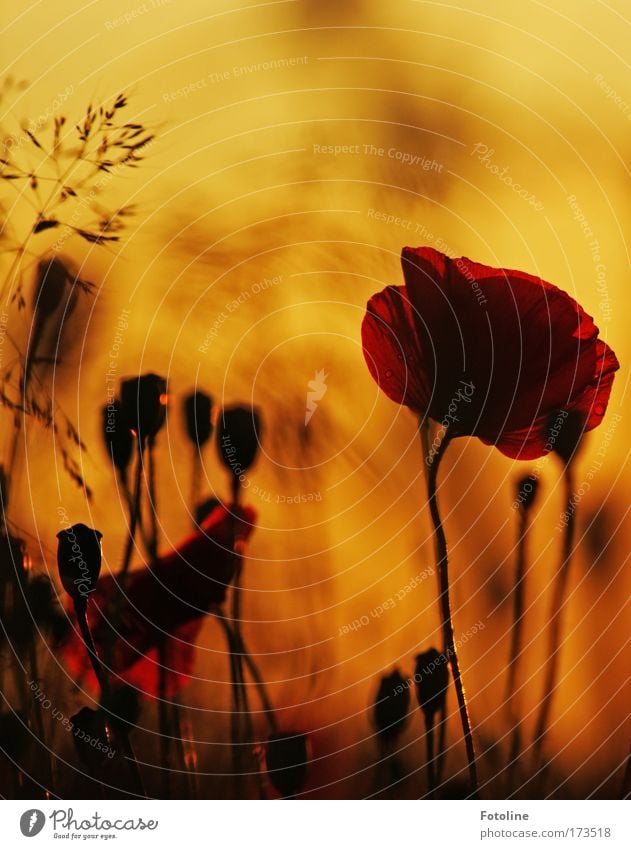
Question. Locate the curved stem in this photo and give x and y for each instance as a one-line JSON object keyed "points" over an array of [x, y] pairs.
{"points": [[556, 621], [424, 432], [447, 623], [260, 686]]}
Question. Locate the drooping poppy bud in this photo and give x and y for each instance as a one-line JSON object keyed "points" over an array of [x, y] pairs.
{"points": [[527, 489], [117, 435], [50, 286], [565, 432], [79, 561], [287, 762], [238, 438], [89, 734], [392, 706], [144, 404], [198, 408], [431, 677]]}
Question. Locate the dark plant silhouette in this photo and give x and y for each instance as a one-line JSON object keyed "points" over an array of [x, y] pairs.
{"points": [[551, 358], [287, 762]]}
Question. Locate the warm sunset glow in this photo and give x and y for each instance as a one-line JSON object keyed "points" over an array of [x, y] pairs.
{"points": [[204, 198]]}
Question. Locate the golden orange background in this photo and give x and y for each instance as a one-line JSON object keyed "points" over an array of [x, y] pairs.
{"points": [[234, 192]]}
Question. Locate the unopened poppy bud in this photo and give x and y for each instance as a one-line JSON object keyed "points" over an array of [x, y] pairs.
{"points": [[79, 561], [144, 403], [565, 432], [238, 438], [287, 762], [527, 489], [50, 286], [431, 677], [198, 408], [89, 734], [119, 442], [392, 706]]}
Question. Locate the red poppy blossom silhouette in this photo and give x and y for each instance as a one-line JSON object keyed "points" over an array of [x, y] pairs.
{"points": [[490, 351], [165, 602]]}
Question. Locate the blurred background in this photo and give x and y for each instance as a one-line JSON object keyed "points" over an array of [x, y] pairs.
{"points": [[299, 145]]}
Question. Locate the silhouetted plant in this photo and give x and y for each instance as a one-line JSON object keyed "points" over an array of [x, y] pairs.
{"points": [[287, 762]]}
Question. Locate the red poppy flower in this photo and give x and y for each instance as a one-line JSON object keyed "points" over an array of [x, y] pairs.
{"points": [[486, 351], [166, 601]]}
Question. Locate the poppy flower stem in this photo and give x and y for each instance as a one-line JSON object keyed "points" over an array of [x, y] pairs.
{"points": [[134, 515], [442, 753], [424, 432], [431, 764], [516, 643], [555, 625], [120, 734], [447, 623]]}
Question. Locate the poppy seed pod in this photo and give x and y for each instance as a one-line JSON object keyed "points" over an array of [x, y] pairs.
{"points": [[527, 489], [287, 762], [198, 408], [79, 561], [431, 677], [117, 436], [89, 734], [238, 438], [143, 403], [392, 706], [50, 285]]}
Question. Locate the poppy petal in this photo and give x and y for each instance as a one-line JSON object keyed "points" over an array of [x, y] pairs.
{"points": [[163, 603], [526, 347], [391, 348]]}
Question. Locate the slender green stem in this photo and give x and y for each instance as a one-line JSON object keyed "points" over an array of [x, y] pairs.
{"points": [[447, 623], [555, 626]]}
